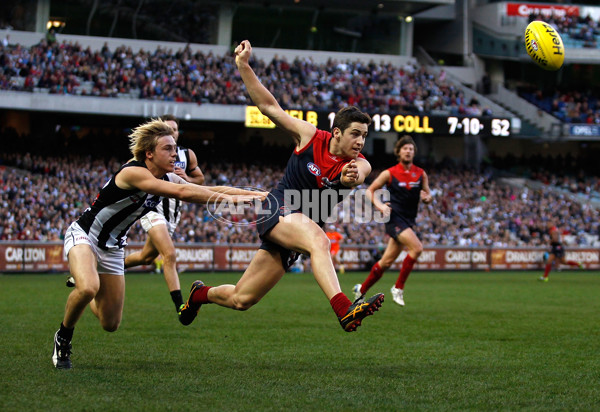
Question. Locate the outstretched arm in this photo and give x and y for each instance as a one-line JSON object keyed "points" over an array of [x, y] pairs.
{"points": [[300, 130], [237, 191], [141, 178]]}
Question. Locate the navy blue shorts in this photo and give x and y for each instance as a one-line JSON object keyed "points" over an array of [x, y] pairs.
{"points": [[557, 250], [272, 208], [397, 225]]}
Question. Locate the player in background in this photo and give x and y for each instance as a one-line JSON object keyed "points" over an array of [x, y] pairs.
{"points": [[335, 238], [407, 184], [94, 243], [557, 253], [321, 161], [161, 224]]}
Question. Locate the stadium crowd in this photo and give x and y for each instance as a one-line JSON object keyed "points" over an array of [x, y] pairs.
{"points": [[40, 196], [583, 29], [572, 104], [186, 76], [569, 105]]}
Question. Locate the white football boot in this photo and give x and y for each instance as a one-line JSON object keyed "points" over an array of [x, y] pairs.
{"points": [[356, 290], [398, 295]]}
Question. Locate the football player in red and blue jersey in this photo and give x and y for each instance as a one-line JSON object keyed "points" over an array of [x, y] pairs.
{"points": [[557, 253], [323, 168], [407, 184]]}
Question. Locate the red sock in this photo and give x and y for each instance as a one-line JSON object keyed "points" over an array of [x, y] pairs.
{"points": [[340, 304], [547, 271], [407, 267], [374, 276], [572, 263], [200, 296]]}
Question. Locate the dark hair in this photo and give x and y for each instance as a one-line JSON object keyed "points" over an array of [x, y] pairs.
{"points": [[404, 140], [169, 117], [348, 115]]}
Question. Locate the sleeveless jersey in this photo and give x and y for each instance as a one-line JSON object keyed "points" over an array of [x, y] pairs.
{"points": [[169, 207], [405, 190], [182, 158], [114, 210], [308, 173]]}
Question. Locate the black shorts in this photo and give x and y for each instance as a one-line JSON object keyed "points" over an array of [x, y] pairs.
{"points": [[557, 250], [288, 257], [272, 208], [397, 225]]}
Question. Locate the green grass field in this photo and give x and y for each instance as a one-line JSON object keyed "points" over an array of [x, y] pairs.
{"points": [[465, 341]]}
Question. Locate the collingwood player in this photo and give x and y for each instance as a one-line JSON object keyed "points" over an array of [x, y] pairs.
{"points": [[94, 243], [161, 224]]}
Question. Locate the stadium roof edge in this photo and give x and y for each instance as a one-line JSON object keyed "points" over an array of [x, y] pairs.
{"points": [[393, 7]]}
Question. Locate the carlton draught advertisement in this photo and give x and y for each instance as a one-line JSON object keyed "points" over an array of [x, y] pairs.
{"points": [[49, 257]]}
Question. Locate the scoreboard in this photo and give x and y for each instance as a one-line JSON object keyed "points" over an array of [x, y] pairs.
{"points": [[438, 125]]}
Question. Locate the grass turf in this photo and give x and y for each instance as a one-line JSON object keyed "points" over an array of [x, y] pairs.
{"points": [[465, 341]]}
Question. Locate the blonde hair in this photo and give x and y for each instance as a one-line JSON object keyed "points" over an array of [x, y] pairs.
{"points": [[144, 137]]}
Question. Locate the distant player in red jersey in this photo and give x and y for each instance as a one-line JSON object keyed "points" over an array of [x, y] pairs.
{"points": [[323, 163], [557, 253], [335, 238], [407, 185]]}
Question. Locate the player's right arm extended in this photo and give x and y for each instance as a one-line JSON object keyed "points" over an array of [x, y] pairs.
{"points": [[300, 130], [141, 178]]}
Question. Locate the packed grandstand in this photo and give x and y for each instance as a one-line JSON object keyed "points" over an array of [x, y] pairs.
{"points": [[42, 195], [504, 201]]}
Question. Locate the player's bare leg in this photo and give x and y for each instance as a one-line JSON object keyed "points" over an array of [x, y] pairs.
{"points": [[107, 305], [82, 265], [145, 256], [263, 273], [390, 254], [162, 242]]}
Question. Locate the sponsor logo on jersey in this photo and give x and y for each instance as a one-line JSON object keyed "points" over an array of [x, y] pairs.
{"points": [[180, 165], [314, 169], [152, 202]]}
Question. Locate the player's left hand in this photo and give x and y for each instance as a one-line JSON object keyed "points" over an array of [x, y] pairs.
{"points": [[349, 173], [426, 197], [181, 173]]}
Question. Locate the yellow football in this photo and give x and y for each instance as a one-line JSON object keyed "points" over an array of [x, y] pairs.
{"points": [[544, 45]]}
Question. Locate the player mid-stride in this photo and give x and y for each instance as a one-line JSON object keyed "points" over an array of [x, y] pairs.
{"points": [[322, 161], [407, 184], [557, 253]]}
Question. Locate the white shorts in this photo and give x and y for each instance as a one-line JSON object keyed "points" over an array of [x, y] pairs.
{"points": [[151, 219], [110, 262]]}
